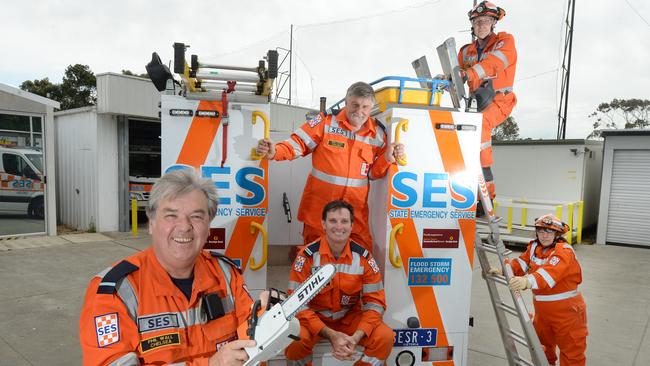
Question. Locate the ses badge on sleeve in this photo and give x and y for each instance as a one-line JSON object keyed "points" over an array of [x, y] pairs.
{"points": [[107, 328], [373, 265], [315, 121], [300, 262]]}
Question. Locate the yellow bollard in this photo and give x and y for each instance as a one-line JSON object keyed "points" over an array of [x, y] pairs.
{"points": [[558, 212], [510, 219], [570, 222], [134, 217], [579, 233], [524, 213], [494, 207]]}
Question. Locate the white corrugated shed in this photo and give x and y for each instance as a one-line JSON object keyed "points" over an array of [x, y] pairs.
{"points": [[87, 169], [625, 195], [127, 95], [551, 170], [14, 100]]}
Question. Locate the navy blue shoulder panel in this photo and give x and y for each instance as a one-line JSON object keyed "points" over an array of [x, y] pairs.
{"points": [[359, 250], [381, 125], [312, 248], [115, 275], [226, 259]]}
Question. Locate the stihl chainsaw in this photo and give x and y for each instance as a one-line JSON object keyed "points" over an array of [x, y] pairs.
{"points": [[276, 328]]}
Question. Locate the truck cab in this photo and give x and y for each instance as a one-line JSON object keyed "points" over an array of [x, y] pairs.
{"points": [[22, 183]]}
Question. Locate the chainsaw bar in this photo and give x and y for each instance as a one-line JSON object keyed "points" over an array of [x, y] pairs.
{"points": [[307, 290]]}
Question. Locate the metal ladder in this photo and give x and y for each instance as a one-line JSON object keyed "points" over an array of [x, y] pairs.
{"points": [[494, 245]]}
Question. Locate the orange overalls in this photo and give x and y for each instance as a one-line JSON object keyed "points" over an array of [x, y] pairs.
{"points": [[560, 311], [342, 164], [134, 314], [354, 299], [497, 61]]}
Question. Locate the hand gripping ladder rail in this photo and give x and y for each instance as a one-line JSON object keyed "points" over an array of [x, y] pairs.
{"points": [[494, 245]]}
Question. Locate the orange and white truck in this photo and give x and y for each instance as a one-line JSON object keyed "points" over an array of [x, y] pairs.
{"points": [[21, 182]]}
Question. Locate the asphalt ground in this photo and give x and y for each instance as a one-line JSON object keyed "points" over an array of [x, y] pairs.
{"points": [[43, 280]]}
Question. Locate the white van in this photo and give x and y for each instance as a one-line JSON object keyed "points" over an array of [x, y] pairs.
{"points": [[21, 182]]}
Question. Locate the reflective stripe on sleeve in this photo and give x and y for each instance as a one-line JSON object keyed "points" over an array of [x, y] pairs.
{"points": [[297, 149], [501, 57], [532, 281], [547, 277], [523, 264], [372, 306], [306, 139], [479, 71], [372, 287], [293, 285], [126, 292], [486, 144]]}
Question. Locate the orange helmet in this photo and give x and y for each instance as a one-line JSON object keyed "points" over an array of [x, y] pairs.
{"points": [[549, 221], [486, 8]]}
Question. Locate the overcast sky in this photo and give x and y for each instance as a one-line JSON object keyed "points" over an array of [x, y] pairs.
{"points": [[338, 42]]}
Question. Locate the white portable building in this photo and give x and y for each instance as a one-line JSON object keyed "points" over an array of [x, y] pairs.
{"points": [[625, 194]]}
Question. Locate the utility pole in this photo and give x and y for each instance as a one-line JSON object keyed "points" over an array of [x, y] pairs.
{"points": [[566, 71]]}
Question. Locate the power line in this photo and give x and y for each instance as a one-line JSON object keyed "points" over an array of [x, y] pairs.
{"points": [[637, 13], [250, 45], [537, 75], [392, 11]]}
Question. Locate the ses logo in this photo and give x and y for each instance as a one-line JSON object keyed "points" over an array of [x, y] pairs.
{"points": [[250, 192], [432, 191]]}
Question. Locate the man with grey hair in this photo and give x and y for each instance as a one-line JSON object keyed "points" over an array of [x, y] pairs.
{"points": [[348, 149], [172, 303]]}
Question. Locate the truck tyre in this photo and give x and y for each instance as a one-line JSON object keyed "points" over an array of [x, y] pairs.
{"points": [[37, 208]]}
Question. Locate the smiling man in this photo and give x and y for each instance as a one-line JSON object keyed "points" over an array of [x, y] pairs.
{"points": [[172, 303], [348, 149], [348, 312]]}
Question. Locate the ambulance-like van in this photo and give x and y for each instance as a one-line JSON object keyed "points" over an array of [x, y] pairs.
{"points": [[21, 182]]}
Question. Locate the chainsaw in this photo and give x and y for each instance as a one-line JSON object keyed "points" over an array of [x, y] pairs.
{"points": [[275, 328]]}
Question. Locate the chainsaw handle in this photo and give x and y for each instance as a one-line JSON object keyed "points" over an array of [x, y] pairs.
{"points": [[252, 322]]}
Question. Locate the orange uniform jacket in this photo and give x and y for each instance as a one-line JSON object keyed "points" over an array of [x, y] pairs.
{"points": [[498, 61], [342, 163], [355, 291], [554, 273], [134, 314]]}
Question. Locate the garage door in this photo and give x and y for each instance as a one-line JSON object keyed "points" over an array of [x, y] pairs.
{"points": [[629, 201]]}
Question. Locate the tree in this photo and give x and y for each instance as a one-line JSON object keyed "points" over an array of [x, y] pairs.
{"points": [[43, 87], [78, 88], [635, 113], [130, 73], [506, 131]]}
